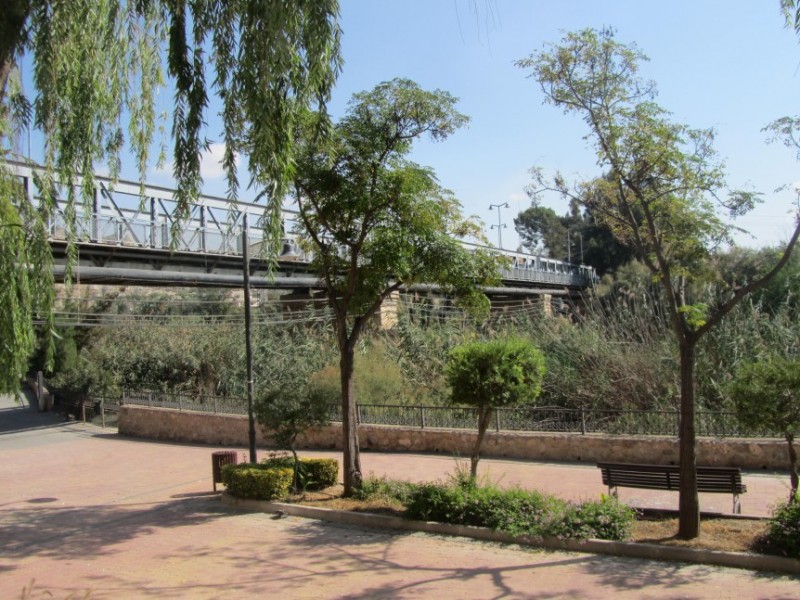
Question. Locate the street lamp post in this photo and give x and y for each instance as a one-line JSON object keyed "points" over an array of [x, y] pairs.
{"points": [[500, 225]]}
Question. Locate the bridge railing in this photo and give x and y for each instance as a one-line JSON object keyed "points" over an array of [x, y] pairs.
{"points": [[571, 278], [122, 231], [124, 213], [579, 421]]}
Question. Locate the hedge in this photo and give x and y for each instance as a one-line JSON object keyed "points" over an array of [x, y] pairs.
{"points": [[314, 473], [257, 482]]}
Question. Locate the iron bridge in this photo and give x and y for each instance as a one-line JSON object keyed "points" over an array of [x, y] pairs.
{"points": [[124, 236]]}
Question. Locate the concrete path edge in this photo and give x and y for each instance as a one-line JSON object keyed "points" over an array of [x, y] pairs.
{"points": [[741, 560]]}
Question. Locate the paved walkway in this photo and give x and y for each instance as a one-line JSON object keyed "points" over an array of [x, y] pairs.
{"points": [[83, 509]]}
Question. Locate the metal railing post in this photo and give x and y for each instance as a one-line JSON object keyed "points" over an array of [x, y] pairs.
{"points": [[153, 222], [95, 214], [202, 228], [583, 421], [422, 417]]}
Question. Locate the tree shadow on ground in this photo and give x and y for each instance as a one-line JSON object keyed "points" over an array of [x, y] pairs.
{"points": [[235, 554], [291, 557], [640, 573], [23, 415], [92, 531]]}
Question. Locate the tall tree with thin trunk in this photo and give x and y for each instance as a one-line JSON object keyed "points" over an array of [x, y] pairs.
{"points": [[376, 221], [97, 68], [660, 195]]}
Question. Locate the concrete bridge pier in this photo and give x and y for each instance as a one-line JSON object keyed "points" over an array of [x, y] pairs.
{"points": [[298, 302]]}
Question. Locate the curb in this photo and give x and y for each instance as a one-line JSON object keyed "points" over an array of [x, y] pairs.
{"points": [[739, 560]]}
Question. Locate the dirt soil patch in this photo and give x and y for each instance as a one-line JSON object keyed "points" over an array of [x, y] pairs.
{"points": [[716, 533], [730, 535]]}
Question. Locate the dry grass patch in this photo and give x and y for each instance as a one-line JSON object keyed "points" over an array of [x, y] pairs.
{"points": [[332, 498], [730, 535]]}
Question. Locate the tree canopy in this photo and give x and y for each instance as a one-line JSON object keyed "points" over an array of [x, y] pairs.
{"points": [[376, 221], [576, 236]]}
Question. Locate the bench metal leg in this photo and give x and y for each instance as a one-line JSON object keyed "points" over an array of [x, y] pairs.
{"points": [[737, 506]]}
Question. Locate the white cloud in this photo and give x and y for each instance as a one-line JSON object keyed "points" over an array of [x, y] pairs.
{"points": [[210, 164]]}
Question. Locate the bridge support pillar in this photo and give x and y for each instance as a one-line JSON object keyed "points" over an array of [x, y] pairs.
{"points": [[296, 303], [387, 314], [547, 305]]}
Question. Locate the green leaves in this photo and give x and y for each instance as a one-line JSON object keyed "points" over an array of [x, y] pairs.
{"points": [[374, 219], [26, 293], [663, 181], [100, 63], [495, 373], [766, 394]]}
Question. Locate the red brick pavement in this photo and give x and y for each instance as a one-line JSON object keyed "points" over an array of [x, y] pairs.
{"points": [[82, 509]]}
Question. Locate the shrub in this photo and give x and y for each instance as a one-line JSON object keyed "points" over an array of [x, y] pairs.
{"points": [[519, 512], [606, 519], [258, 482], [435, 502], [313, 473], [516, 511], [374, 488], [783, 535]]}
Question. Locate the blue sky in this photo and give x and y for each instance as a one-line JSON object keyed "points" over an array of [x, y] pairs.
{"points": [[729, 65], [726, 64]]}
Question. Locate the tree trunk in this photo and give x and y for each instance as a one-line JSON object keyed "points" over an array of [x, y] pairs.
{"points": [[12, 35], [351, 457], [792, 469], [484, 416], [689, 503], [296, 476]]}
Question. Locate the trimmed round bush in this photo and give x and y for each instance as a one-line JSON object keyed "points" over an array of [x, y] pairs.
{"points": [[257, 482]]}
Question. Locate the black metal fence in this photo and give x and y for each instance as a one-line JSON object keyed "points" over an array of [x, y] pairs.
{"points": [[226, 405], [541, 418]]}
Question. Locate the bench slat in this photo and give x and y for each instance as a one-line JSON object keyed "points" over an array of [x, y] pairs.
{"points": [[667, 477]]}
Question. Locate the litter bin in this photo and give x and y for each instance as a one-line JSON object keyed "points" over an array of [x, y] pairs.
{"points": [[219, 460]]}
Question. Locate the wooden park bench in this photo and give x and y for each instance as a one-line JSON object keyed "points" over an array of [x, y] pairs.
{"points": [[715, 480]]}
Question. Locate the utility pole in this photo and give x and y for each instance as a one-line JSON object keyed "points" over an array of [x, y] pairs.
{"points": [[569, 247], [247, 341], [500, 225]]}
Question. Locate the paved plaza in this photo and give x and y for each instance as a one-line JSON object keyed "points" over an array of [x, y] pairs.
{"points": [[83, 509]]}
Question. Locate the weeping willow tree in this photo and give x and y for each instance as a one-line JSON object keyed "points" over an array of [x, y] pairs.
{"points": [[98, 66]]}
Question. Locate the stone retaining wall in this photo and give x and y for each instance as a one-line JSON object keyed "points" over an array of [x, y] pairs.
{"points": [[231, 430]]}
